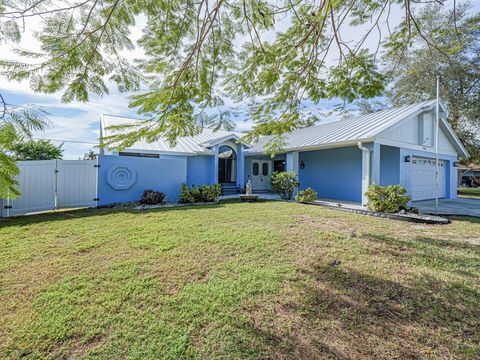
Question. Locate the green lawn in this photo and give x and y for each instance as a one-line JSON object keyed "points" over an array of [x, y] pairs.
{"points": [[469, 192], [237, 281]]}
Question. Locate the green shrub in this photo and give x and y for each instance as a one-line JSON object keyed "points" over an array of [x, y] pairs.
{"points": [[306, 195], [387, 198], [284, 183], [151, 197], [185, 195], [200, 193]]}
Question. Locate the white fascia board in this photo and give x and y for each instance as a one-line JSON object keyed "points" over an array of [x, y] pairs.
{"points": [[205, 152], [404, 145], [214, 142], [330, 145], [317, 147], [173, 153], [449, 132]]}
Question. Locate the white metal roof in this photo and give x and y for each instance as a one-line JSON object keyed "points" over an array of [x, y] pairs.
{"points": [[339, 133], [360, 128], [188, 145]]}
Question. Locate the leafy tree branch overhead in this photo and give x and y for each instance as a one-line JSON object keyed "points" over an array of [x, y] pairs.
{"points": [[414, 71], [272, 54]]}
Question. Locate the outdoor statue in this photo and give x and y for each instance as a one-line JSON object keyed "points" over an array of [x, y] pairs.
{"points": [[248, 187]]}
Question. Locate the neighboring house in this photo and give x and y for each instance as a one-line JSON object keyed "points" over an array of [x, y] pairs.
{"points": [[338, 159], [469, 176]]}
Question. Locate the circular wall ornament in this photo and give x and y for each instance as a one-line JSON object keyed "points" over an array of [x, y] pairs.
{"points": [[120, 177]]}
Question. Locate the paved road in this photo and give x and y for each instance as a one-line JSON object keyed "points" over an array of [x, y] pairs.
{"points": [[460, 206]]}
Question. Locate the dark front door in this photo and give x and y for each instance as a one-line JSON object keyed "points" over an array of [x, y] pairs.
{"points": [[224, 170], [221, 170]]}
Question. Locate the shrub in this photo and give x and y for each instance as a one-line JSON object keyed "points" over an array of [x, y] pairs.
{"points": [[201, 193], [388, 199], [284, 183], [307, 195], [151, 197], [185, 195]]}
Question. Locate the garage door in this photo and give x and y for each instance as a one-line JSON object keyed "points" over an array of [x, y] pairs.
{"points": [[423, 179]]}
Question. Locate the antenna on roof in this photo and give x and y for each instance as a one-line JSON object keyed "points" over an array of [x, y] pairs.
{"points": [[437, 126]]}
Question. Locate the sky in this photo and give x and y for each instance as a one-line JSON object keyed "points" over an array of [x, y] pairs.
{"points": [[75, 124]]}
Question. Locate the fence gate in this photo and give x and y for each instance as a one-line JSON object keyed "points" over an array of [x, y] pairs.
{"points": [[53, 184], [37, 185], [76, 183]]}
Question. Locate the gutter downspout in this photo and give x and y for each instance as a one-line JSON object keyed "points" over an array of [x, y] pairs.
{"points": [[365, 172]]}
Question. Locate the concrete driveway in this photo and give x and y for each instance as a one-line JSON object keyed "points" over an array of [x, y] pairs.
{"points": [[460, 206]]}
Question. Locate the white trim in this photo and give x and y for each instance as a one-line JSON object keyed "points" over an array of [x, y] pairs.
{"points": [[401, 144], [317, 147], [170, 153], [213, 142], [451, 132], [444, 125], [365, 172]]}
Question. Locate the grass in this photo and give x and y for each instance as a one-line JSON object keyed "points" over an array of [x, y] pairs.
{"points": [[237, 280], [469, 192]]}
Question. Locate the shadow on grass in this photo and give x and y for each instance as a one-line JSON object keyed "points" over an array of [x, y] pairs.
{"points": [[345, 314], [470, 219], [62, 215], [461, 258]]}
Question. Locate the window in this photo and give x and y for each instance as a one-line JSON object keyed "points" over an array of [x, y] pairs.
{"points": [[255, 168], [265, 169], [124, 153], [279, 165]]}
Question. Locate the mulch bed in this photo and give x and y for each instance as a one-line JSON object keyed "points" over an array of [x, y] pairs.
{"points": [[410, 217]]}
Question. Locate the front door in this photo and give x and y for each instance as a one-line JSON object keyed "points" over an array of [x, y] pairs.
{"points": [[261, 170], [225, 170]]}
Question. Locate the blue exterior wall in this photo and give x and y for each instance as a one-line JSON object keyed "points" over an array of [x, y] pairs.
{"points": [[389, 165], [333, 173], [451, 171], [199, 170], [163, 174]]}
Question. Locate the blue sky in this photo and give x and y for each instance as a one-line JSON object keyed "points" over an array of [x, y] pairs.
{"points": [[76, 125]]}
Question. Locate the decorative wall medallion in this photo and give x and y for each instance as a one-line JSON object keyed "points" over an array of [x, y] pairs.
{"points": [[120, 177]]}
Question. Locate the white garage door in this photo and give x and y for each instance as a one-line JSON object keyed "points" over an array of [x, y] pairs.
{"points": [[423, 179]]}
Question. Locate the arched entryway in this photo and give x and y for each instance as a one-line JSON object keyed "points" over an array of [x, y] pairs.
{"points": [[227, 165]]}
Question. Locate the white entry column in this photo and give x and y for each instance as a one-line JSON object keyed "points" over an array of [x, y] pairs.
{"points": [[375, 168], [292, 161]]}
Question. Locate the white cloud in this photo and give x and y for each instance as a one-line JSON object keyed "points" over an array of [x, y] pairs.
{"points": [[80, 121]]}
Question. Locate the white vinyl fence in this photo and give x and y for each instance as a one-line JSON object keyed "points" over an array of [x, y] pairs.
{"points": [[53, 184]]}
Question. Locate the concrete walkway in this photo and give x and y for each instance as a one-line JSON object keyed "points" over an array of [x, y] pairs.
{"points": [[460, 206], [264, 196]]}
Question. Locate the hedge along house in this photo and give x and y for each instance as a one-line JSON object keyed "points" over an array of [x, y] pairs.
{"points": [[338, 159]]}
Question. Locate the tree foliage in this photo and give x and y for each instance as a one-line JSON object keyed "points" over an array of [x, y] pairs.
{"points": [[37, 150], [90, 155], [456, 59], [16, 125], [273, 55]]}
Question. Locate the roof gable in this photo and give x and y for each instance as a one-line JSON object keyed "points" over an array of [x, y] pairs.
{"points": [[350, 130], [185, 145]]}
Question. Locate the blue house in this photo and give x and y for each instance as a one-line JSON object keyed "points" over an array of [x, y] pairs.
{"points": [[338, 159]]}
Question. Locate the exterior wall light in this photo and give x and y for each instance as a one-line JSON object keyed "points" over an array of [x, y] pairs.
{"points": [[302, 165], [455, 164], [407, 158]]}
